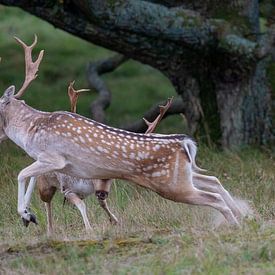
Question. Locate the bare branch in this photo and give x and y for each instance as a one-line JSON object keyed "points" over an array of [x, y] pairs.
{"points": [[95, 69]]}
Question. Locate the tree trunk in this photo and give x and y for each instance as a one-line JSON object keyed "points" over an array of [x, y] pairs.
{"points": [[244, 106], [187, 87]]}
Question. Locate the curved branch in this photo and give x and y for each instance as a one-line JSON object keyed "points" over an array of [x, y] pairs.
{"points": [[139, 126], [141, 30], [94, 70], [151, 20]]}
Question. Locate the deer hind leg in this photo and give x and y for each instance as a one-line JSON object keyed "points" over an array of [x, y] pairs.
{"points": [[102, 189], [74, 199], [37, 168], [212, 184], [199, 197]]}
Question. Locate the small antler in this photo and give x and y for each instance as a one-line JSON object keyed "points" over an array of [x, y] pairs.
{"points": [[162, 110], [73, 95], [31, 67]]}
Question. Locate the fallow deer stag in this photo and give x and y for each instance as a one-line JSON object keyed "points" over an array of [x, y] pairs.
{"points": [[74, 145]]}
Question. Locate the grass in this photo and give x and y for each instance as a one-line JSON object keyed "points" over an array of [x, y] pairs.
{"points": [[154, 236]]}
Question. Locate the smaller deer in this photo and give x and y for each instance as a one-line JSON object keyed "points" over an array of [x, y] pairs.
{"points": [[74, 189]]}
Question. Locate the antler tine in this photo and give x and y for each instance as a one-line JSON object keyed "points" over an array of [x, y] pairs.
{"points": [[34, 42], [162, 110], [31, 68], [73, 95]]}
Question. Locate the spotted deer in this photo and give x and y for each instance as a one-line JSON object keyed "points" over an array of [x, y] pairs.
{"points": [[80, 147]]}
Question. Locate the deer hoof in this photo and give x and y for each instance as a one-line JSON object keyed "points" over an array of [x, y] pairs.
{"points": [[25, 222], [113, 220], [33, 218], [28, 217]]}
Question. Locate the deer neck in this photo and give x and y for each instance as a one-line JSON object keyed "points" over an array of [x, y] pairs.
{"points": [[19, 117]]}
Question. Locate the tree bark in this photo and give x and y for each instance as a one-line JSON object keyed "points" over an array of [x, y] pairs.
{"points": [[244, 105]]}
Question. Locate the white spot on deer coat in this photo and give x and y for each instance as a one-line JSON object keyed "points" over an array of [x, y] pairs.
{"points": [[156, 174]]}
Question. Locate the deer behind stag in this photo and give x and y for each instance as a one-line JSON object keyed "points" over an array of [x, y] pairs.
{"points": [[77, 146]]}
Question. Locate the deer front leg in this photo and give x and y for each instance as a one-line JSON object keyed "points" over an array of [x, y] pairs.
{"points": [[27, 197], [41, 166]]}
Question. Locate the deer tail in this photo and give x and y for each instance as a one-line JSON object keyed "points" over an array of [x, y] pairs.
{"points": [[190, 148]]}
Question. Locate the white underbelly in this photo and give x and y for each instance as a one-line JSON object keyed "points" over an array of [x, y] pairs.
{"points": [[79, 186]]}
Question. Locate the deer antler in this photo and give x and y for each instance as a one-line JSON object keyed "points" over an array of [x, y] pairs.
{"points": [[73, 95], [162, 110], [31, 67]]}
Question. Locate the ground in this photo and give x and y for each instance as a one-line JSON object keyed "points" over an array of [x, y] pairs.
{"points": [[154, 236]]}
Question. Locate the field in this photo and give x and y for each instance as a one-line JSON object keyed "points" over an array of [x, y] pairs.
{"points": [[154, 236]]}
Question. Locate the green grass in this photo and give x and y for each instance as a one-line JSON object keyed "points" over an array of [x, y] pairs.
{"points": [[154, 236]]}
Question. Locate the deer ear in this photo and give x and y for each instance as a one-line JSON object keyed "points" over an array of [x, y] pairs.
{"points": [[9, 92]]}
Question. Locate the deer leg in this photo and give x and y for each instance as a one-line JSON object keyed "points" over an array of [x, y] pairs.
{"points": [[74, 199], [103, 203], [199, 197], [47, 189], [48, 207], [102, 189], [37, 168], [29, 191], [212, 184]]}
